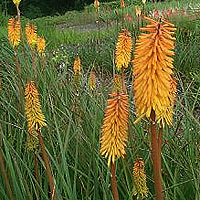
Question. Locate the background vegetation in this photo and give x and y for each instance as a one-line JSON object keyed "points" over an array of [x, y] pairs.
{"points": [[74, 116]]}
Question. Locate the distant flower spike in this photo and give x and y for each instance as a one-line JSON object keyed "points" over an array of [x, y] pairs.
{"points": [[92, 80], [77, 66], [14, 32], [96, 4], [153, 67], [34, 114], [41, 45], [123, 50], [138, 11], [143, 1], [115, 125], [31, 34], [32, 141], [122, 4], [139, 177], [16, 2]]}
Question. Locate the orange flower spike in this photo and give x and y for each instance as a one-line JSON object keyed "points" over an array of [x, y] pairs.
{"points": [[115, 126], [33, 111], [153, 70], [16, 2], [122, 4], [96, 4], [14, 32], [77, 66], [31, 34], [41, 45], [123, 50], [139, 177]]}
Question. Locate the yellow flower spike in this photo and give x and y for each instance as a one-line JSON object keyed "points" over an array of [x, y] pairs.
{"points": [[138, 11], [92, 80], [16, 2], [153, 67], [31, 34], [143, 1], [41, 45], [139, 177], [14, 32], [33, 111], [117, 83], [32, 141], [96, 5], [77, 66], [115, 126], [123, 50]]}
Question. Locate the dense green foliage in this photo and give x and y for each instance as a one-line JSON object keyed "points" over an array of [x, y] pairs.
{"points": [[38, 8]]}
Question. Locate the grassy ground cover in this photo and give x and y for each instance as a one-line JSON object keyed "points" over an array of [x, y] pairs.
{"points": [[74, 115]]}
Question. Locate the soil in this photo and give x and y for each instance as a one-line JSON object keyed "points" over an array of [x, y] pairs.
{"points": [[85, 27]]}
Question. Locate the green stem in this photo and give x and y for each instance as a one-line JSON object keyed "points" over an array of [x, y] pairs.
{"points": [[47, 165]]}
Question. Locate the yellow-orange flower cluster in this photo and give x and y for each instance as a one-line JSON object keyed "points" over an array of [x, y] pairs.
{"points": [[34, 114], [115, 125], [143, 1], [138, 11], [96, 5], [92, 80], [14, 32], [32, 141], [16, 2], [123, 50], [41, 45], [122, 4], [117, 83], [139, 177], [31, 34], [153, 67], [77, 66]]}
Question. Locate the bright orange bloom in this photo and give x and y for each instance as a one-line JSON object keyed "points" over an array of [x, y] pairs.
{"points": [[14, 32], [41, 45], [16, 2], [123, 50], [77, 66], [31, 34], [34, 114], [139, 177], [92, 80], [153, 70], [122, 4], [115, 125]]}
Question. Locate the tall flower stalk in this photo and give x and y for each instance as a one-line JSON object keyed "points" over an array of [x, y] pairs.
{"points": [[123, 53], [14, 37], [77, 71], [31, 36], [36, 121], [114, 133], [139, 177], [154, 85]]}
